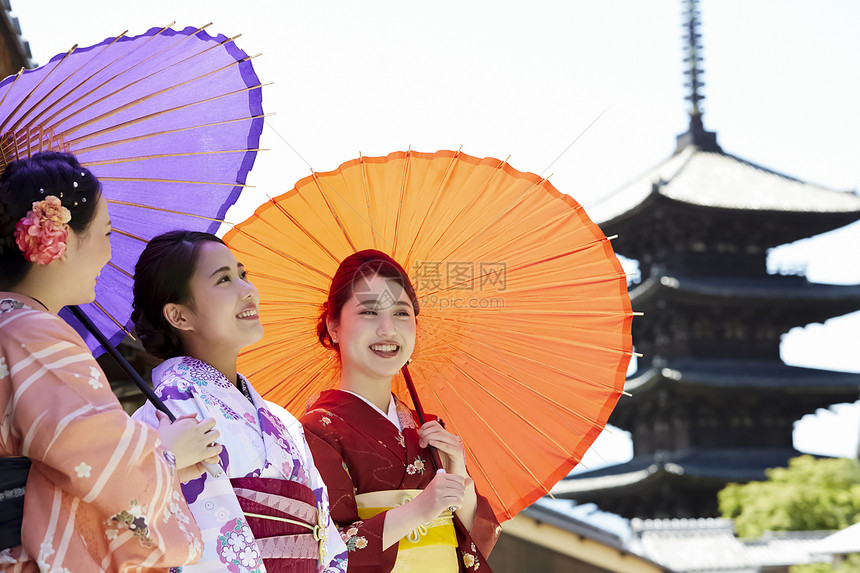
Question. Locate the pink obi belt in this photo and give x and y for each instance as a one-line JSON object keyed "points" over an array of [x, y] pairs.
{"points": [[286, 521]]}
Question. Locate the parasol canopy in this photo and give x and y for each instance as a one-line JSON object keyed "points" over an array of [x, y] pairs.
{"points": [[169, 121], [524, 332]]}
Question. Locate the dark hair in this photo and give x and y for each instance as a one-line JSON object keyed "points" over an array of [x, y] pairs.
{"points": [[26, 181], [162, 275], [361, 265]]}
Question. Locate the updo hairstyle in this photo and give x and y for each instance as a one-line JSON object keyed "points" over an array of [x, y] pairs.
{"points": [[32, 179]]}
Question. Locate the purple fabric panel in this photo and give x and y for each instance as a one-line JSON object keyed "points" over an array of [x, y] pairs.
{"points": [[148, 100]]}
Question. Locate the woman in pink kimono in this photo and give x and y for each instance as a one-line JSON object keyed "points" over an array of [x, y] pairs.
{"points": [[267, 509], [394, 512], [101, 493]]}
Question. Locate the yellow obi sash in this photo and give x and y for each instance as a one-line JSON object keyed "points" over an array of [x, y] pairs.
{"points": [[429, 548]]}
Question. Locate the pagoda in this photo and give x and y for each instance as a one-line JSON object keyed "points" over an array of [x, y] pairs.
{"points": [[712, 402]]}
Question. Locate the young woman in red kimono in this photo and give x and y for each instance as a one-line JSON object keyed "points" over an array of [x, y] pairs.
{"points": [[102, 492], [394, 512]]}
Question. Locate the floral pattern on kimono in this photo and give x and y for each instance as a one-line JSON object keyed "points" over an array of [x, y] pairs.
{"points": [[260, 439], [358, 450], [102, 494]]}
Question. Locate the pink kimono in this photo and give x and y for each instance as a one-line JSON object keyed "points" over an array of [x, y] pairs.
{"points": [[102, 494]]}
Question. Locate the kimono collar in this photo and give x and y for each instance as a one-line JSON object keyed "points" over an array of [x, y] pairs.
{"points": [[391, 416], [196, 369], [13, 300]]}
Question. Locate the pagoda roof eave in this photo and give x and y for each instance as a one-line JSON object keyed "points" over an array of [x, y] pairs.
{"points": [[705, 465], [768, 288], [716, 180], [746, 374]]}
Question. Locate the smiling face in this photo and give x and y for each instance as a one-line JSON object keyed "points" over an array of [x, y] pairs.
{"points": [[222, 315], [376, 330], [86, 254]]}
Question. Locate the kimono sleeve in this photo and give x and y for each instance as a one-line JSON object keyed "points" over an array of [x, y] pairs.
{"points": [[475, 544], [65, 418], [363, 538]]}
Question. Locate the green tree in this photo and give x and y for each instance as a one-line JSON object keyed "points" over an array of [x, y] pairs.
{"points": [[810, 494]]}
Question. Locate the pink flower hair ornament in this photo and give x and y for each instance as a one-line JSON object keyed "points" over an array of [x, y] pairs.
{"points": [[41, 234]]}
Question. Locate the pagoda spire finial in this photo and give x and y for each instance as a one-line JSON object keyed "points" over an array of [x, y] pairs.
{"points": [[693, 53], [696, 134]]}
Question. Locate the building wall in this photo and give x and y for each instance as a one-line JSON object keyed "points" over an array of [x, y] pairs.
{"points": [[514, 555], [528, 544]]}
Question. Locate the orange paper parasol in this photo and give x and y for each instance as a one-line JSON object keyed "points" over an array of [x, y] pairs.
{"points": [[524, 333]]}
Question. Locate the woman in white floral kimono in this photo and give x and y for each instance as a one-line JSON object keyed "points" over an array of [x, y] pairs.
{"points": [[267, 507]]}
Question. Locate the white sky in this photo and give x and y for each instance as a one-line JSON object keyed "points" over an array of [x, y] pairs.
{"points": [[525, 78]]}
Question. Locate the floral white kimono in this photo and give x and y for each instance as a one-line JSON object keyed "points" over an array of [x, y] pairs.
{"points": [[261, 440]]}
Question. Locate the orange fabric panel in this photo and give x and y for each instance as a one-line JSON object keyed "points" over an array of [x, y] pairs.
{"points": [[524, 332]]}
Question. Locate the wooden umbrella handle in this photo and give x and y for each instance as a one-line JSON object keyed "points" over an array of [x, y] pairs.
{"points": [[213, 469], [434, 455]]}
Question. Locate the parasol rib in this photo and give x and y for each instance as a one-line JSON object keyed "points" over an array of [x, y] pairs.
{"points": [[115, 321], [136, 47], [150, 116], [546, 224], [284, 281], [436, 196], [403, 179], [334, 213], [366, 190], [475, 458], [348, 204], [286, 338], [469, 241], [302, 228], [279, 253], [151, 180], [123, 160], [33, 90], [82, 150], [480, 190], [118, 268], [11, 86], [312, 359], [129, 235], [163, 210], [506, 406], [60, 84], [53, 117], [535, 392]]}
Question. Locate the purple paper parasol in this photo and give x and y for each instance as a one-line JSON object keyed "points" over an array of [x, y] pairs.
{"points": [[169, 121]]}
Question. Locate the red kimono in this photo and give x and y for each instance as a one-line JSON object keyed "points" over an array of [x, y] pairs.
{"points": [[357, 450]]}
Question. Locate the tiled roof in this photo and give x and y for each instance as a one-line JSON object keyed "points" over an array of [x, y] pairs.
{"points": [[841, 542], [736, 373], [710, 545], [766, 288], [723, 181], [742, 464]]}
